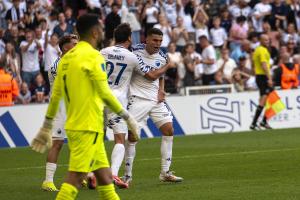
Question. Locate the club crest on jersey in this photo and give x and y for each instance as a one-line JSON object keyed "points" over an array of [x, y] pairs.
{"points": [[157, 63]]}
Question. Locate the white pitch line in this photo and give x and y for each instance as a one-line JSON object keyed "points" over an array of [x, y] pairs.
{"points": [[176, 158], [224, 154]]}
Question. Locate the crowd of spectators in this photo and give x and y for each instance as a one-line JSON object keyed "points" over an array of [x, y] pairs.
{"points": [[208, 42]]}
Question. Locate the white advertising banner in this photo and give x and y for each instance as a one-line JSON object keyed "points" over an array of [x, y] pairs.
{"points": [[220, 113], [199, 114]]}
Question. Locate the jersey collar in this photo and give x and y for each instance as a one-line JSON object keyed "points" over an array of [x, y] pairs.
{"points": [[120, 46]]}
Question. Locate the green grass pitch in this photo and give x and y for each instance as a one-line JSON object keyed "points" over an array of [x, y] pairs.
{"points": [[262, 165]]}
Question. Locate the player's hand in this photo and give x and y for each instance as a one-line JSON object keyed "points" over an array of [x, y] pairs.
{"points": [[43, 140], [134, 127], [161, 96]]}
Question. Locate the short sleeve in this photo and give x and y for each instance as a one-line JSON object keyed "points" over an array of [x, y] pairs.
{"points": [[141, 67], [23, 43], [263, 56], [212, 54]]}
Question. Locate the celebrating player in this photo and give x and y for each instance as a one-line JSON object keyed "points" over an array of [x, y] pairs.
{"points": [[147, 99], [120, 64], [58, 132], [82, 82]]}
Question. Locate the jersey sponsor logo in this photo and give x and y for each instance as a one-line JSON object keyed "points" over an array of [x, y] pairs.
{"points": [[220, 115], [11, 130]]}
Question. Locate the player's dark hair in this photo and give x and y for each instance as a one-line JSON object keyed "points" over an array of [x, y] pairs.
{"points": [[85, 23], [66, 39], [154, 31], [122, 33]]}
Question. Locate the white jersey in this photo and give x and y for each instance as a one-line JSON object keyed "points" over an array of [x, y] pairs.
{"points": [[58, 131], [141, 86], [120, 64], [53, 71]]}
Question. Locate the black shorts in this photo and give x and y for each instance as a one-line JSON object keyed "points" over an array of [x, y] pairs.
{"points": [[262, 84]]}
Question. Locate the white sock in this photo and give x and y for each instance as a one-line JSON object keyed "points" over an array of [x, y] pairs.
{"points": [[129, 157], [117, 157], [166, 152], [50, 171]]}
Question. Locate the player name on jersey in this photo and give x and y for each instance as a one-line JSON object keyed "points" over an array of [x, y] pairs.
{"points": [[115, 57]]}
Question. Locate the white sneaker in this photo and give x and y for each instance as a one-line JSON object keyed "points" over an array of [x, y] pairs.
{"points": [[169, 177], [126, 179]]}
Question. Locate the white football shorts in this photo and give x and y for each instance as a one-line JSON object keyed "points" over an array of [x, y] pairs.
{"points": [[115, 122], [58, 130], [141, 109]]}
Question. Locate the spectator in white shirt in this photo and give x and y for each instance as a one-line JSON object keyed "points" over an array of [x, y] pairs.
{"points": [[169, 8], [241, 8], [290, 34], [150, 14], [130, 14], [208, 61], [30, 58], [94, 6], [52, 52], [167, 31], [174, 75], [226, 65], [187, 13], [52, 21], [261, 11], [218, 34], [193, 68], [39, 36], [180, 34], [200, 20]]}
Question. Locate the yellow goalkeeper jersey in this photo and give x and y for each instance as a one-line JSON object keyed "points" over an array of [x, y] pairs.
{"points": [[82, 82]]}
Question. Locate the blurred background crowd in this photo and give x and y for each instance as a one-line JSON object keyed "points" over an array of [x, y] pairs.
{"points": [[208, 42]]}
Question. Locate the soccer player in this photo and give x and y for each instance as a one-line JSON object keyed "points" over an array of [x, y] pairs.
{"points": [[120, 65], [261, 60], [147, 99], [82, 81], [58, 132]]}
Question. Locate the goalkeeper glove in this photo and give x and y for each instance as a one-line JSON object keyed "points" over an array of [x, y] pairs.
{"points": [[133, 125], [43, 139]]}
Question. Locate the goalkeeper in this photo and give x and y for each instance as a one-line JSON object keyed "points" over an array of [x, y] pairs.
{"points": [[82, 82]]}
